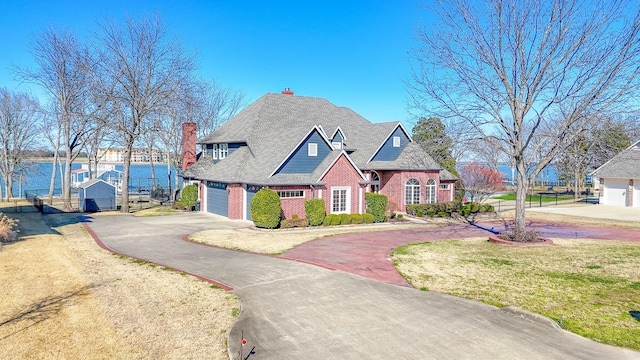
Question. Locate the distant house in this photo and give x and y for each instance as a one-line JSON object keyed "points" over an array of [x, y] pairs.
{"points": [[619, 178], [116, 155], [96, 195], [304, 148]]}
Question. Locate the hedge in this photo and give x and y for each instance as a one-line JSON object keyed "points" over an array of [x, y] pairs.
{"points": [[447, 206], [291, 223]]}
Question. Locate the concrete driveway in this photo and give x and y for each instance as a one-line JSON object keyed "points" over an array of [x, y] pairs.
{"points": [[295, 310]]}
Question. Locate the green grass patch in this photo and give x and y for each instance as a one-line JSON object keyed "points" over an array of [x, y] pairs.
{"points": [[590, 285]]}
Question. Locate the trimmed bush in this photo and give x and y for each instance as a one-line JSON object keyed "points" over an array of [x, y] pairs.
{"points": [[444, 214], [419, 213], [447, 206], [431, 212], [331, 220], [399, 216], [489, 208], [356, 219], [266, 209], [294, 222], [345, 219], [189, 196], [314, 209], [367, 218], [376, 206]]}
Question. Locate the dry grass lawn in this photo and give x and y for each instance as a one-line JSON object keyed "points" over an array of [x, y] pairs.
{"points": [[65, 298], [276, 242], [589, 286]]}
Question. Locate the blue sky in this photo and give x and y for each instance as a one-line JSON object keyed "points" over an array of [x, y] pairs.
{"points": [[352, 53]]}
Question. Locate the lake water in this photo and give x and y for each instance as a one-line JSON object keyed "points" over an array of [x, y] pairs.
{"points": [[36, 179]]}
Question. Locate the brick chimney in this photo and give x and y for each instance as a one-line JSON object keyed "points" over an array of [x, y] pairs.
{"points": [[287, 91], [188, 145]]}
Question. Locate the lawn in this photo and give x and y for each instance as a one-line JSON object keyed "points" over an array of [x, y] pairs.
{"points": [[587, 286], [534, 198]]}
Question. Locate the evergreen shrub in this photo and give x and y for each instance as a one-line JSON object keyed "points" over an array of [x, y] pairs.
{"points": [[377, 206], [265, 209], [314, 210]]}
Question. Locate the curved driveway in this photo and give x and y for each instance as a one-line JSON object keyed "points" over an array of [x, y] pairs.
{"points": [[295, 310]]}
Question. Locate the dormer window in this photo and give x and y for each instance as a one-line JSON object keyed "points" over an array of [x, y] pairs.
{"points": [[312, 149], [396, 141], [337, 144], [223, 151]]}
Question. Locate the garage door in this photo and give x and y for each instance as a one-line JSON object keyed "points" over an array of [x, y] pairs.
{"points": [[615, 192], [251, 192], [636, 193], [217, 198]]}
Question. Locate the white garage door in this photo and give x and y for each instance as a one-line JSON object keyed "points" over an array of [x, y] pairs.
{"points": [[615, 192], [636, 193]]}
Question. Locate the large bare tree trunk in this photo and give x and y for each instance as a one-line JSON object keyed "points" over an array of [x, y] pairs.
{"points": [[52, 181], [125, 177], [522, 185]]}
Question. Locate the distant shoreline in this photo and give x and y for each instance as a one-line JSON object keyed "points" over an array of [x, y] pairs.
{"points": [[84, 160]]}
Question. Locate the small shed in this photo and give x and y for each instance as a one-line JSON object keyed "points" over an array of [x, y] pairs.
{"points": [[96, 195]]}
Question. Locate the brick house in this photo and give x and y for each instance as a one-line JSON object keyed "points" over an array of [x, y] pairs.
{"points": [[304, 148]]}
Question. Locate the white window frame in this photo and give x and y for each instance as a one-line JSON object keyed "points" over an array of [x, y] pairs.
{"points": [[312, 149], [337, 144], [396, 141], [444, 186], [347, 200], [431, 193], [290, 194], [214, 152], [410, 191], [223, 151]]}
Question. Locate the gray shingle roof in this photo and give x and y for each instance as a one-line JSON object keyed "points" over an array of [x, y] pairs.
{"points": [[625, 165], [275, 124]]}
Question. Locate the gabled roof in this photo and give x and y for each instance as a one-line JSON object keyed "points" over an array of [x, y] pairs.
{"points": [[625, 165], [274, 126], [92, 182]]}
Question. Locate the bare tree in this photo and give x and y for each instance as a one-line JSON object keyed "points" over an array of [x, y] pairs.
{"points": [[591, 149], [140, 71], [61, 72], [19, 119], [51, 131], [528, 75]]}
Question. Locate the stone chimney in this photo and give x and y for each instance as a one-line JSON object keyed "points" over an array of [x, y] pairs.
{"points": [[287, 91], [188, 145]]}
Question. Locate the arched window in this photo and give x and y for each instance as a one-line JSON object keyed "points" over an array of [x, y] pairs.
{"points": [[375, 182], [412, 192], [431, 191]]}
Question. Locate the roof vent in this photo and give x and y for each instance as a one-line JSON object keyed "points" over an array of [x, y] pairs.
{"points": [[287, 91]]}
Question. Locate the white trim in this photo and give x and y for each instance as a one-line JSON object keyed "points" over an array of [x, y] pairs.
{"points": [[347, 207], [360, 200], [317, 128], [203, 206], [396, 142], [338, 129], [312, 149], [387, 138], [244, 202], [319, 193]]}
